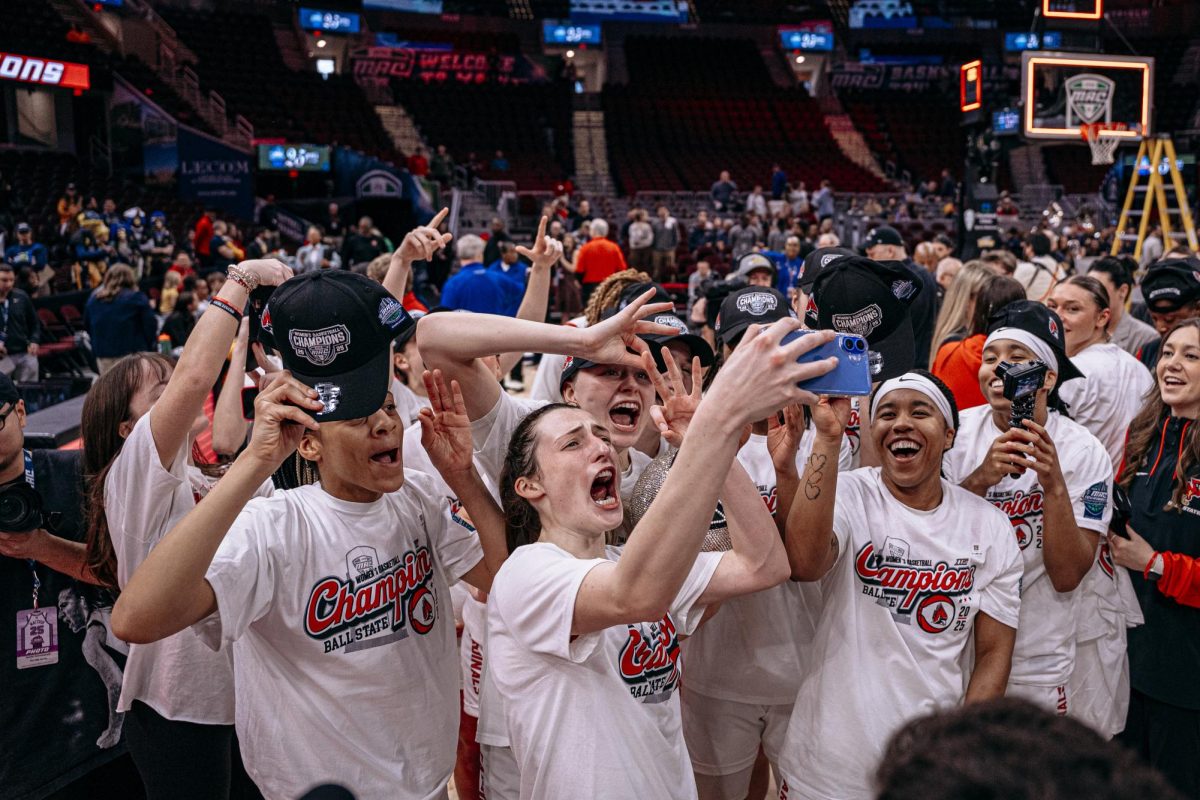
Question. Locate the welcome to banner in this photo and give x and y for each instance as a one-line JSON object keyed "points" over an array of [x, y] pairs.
{"points": [[377, 66]]}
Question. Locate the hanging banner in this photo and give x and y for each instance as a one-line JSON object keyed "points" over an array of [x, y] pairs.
{"points": [[913, 77], [215, 174], [144, 137], [377, 66]]}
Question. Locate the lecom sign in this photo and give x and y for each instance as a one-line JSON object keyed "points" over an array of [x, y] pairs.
{"points": [[44, 71]]}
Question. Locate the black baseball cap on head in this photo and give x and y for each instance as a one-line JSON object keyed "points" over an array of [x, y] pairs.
{"points": [[695, 344], [1039, 321], [752, 262], [23, 227], [818, 260], [884, 234], [635, 290], [1171, 284], [870, 299], [334, 330], [753, 305]]}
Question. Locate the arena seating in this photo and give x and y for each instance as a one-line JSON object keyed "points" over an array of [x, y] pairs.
{"points": [[38, 178], [485, 118], [696, 106], [41, 32], [279, 102], [918, 132]]}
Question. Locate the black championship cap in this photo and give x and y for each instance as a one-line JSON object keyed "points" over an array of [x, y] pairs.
{"points": [[753, 305], [635, 290], [334, 330], [870, 299], [1041, 323], [818, 260], [1171, 284], [695, 344]]}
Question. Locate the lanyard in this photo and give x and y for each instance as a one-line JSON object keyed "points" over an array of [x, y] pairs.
{"points": [[29, 478]]}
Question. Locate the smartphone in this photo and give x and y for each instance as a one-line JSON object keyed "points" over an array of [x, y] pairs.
{"points": [[1119, 524], [851, 377], [249, 394]]}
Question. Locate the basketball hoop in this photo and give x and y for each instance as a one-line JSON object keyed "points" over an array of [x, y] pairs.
{"points": [[1103, 146]]}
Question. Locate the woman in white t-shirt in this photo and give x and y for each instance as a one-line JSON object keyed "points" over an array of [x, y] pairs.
{"points": [[334, 597], [1053, 480], [916, 574], [583, 639], [1114, 384], [138, 425], [1105, 401]]}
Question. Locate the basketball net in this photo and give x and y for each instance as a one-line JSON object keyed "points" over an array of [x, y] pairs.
{"points": [[1103, 147]]}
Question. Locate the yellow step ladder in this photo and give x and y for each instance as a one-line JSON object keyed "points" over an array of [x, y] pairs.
{"points": [[1176, 219]]}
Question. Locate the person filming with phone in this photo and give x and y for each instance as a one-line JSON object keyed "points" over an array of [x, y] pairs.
{"points": [[1160, 549]]}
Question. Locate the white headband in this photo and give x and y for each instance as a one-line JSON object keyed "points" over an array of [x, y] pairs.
{"points": [[1027, 340], [918, 383]]}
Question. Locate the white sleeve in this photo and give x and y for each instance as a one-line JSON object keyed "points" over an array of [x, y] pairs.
{"points": [[451, 533], [546, 379], [683, 608], [535, 595], [1089, 481], [491, 432], [140, 497], [1000, 599], [845, 455], [242, 576], [848, 510]]}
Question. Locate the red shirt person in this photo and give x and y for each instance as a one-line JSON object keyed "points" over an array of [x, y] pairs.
{"points": [[598, 259]]}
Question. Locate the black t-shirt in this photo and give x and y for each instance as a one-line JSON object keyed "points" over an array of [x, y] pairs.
{"points": [[52, 717], [1164, 654]]}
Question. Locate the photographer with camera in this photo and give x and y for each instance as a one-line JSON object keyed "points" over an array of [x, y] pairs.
{"points": [[1049, 475], [1162, 477], [42, 565]]}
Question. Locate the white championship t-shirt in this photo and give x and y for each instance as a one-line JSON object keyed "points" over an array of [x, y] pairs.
{"points": [[345, 657], [755, 648], [1108, 397], [899, 612], [491, 434], [178, 676], [1045, 651], [594, 715]]}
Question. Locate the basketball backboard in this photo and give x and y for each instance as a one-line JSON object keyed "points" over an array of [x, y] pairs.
{"points": [[1063, 91], [1073, 9]]}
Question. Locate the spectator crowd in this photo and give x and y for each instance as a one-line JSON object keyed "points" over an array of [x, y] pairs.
{"points": [[322, 531]]}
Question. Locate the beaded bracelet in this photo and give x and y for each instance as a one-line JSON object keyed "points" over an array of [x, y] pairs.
{"points": [[226, 307]]}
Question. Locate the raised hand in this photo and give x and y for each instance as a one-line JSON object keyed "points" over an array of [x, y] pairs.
{"points": [[609, 341], [831, 416], [445, 427], [545, 252], [677, 404], [761, 376], [422, 242], [269, 271], [280, 420], [783, 437]]}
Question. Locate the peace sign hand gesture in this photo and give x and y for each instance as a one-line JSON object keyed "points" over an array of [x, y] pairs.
{"points": [[446, 428], [678, 405]]}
